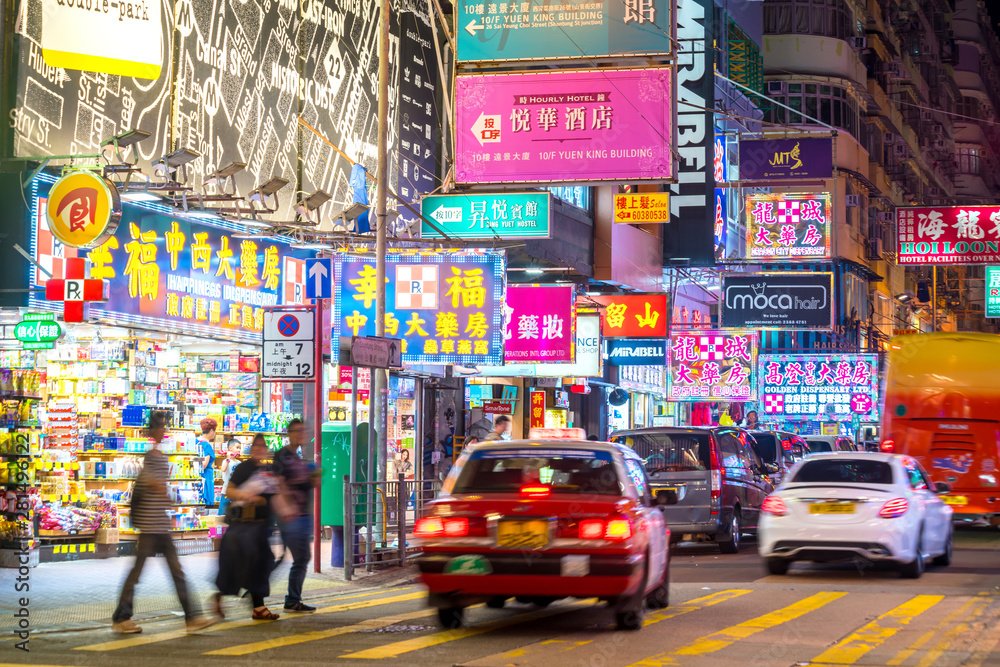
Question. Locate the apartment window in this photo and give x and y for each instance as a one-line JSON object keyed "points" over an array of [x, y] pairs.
{"points": [[968, 161], [578, 196], [830, 104], [826, 18]]}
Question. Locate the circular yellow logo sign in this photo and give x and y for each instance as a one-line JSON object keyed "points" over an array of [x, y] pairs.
{"points": [[83, 209]]}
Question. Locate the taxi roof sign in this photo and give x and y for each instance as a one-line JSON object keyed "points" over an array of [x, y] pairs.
{"points": [[557, 434]]}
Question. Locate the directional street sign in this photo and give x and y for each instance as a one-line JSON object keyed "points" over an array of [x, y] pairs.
{"points": [[289, 344], [375, 352], [319, 274], [505, 215]]}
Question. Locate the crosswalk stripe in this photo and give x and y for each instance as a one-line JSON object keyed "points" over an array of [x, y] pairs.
{"points": [[155, 638], [727, 637], [302, 638], [709, 600], [904, 655], [872, 635], [397, 649], [957, 630]]}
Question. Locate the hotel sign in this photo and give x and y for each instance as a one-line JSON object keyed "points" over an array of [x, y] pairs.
{"points": [[948, 235]]}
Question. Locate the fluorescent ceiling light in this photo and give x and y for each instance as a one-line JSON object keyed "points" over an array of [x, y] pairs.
{"points": [[141, 196]]}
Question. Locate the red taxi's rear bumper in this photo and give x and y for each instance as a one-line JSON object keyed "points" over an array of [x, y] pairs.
{"points": [[534, 576]]}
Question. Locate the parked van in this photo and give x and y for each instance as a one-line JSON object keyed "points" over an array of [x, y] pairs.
{"points": [[719, 479], [942, 407], [781, 449]]}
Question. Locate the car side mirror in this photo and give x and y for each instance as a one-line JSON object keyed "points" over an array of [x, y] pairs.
{"points": [[942, 487], [665, 497]]}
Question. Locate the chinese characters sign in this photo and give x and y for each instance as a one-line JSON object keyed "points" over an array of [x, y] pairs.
{"points": [[487, 216], [631, 315], [83, 209], [712, 366], [608, 125], [587, 353], [788, 227], [173, 274], [636, 209], [539, 324], [820, 386], [446, 308], [536, 403], [782, 159], [537, 29], [948, 235], [993, 291]]}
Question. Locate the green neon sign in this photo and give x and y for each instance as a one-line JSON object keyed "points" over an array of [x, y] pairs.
{"points": [[38, 331]]}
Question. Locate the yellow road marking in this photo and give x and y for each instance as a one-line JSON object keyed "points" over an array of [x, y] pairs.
{"points": [[694, 605], [871, 635], [155, 638], [397, 649], [904, 655], [291, 640], [723, 638], [952, 634]]}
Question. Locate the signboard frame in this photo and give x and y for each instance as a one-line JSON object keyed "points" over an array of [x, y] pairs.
{"points": [[704, 357], [542, 200], [799, 152], [947, 235], [991, 298], [792, 218], [830, 361], [726, 312], [274, 341]]}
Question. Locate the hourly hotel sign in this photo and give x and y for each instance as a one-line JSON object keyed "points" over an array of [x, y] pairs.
{"points": [[606, 125], [539, 29], [948, 235]]}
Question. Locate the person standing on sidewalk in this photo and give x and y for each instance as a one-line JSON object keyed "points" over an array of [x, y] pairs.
{"points": [[297, 482], [206, 447], [149, 516]]}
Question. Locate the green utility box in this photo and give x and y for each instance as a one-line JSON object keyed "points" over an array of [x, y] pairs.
{"points": [[336, 458]]}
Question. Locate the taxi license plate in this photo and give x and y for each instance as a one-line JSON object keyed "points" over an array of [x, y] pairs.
{"points": [[954, 500], [532, 534], [831, 508]]}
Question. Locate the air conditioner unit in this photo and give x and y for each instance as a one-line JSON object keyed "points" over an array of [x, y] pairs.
{"points": [[859, 42], [889, 138], [852, 201], [885, 216], [940, 144], [900, 150], [976, 306]]}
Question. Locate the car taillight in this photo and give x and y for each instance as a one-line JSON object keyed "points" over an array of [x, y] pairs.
{"points": [[435, 526], [774, 505], [535, 491], [786, 445], [888, 445], [618, 529], [718, 474], [894, 508]]}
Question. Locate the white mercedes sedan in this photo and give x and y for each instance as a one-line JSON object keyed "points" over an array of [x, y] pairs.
{"points": [[874, 507]]}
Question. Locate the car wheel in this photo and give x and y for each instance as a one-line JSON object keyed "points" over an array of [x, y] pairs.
{"points": [[450, 617], [776, 566], [496, 603], [915, 568], [659, 597], [629, 620], [944, 560], [731, 544]]}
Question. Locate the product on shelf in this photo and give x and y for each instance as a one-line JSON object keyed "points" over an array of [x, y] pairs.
{"points": [[56, 519]]}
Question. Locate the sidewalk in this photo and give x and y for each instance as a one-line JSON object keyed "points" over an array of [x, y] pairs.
{"points": [[83, 594]]}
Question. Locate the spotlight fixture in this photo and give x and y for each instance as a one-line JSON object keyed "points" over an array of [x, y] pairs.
{"points": [[180, 157], [172, 167], [224, 178], [311, 204], [266, 195], [121, 154]]}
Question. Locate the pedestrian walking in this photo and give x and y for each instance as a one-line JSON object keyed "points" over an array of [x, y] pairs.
{"points": [[149, 516], [245, 556], [229, 464], [501, 426], [206, 447], [296, 483]]}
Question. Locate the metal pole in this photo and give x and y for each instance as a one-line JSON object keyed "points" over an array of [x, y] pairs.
{"points": [[352, 473], [401, 518], [370, 482], [350, 531], [320, 390], [934, 324], [382, 181]]}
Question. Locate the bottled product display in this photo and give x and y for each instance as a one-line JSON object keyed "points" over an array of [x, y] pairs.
{"points": [[20, 445]]}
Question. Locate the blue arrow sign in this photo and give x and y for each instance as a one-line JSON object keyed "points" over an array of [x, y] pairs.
{"points": [[319, 274]]}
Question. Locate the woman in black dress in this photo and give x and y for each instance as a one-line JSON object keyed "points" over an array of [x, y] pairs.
{"points": [[245, 556]]}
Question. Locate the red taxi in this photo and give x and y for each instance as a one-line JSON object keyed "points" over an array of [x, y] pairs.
{"points": [[542, 519]]}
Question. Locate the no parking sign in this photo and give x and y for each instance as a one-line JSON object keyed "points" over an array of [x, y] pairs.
{"points": [[289, 344]]}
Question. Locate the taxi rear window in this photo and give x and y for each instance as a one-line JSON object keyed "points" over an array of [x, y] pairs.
{"points": [[563, 471]]}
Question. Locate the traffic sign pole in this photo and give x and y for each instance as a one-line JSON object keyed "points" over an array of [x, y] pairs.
{"points": [[320, 392]]}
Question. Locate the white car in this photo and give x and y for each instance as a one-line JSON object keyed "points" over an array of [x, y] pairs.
{"points": [[877, 507], [820, 444]]}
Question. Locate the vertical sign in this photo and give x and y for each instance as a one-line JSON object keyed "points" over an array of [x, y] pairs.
{"points": [[993, 291], [537, 403], [692, 215], [712, 366], [539, 323]]}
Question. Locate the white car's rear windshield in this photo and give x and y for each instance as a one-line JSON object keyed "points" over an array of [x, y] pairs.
{"points": [[844, 471], [563, 471]]}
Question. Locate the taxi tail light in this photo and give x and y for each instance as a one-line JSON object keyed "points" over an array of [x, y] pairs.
{"points": [[618, 530], [774, 505], [615, 529], [894, 508], [429, 526], [888, 446], [435, 526]]}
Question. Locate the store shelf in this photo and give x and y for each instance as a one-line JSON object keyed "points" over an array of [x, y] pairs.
{"points": [[128, 506], [122, 453], [132, 479], [18, 397]]}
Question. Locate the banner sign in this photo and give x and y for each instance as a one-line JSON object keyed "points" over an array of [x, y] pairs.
{"points": [[948, 235], [712, 366], [820, 386], [169, 273], [637, 351], [539, 323], [488, 216], [586, 365], [639, 208], [538, 30], [630, 315], [545, 127], [788, 301], [786, 159], [721, 224], [993, 291], [788, 227], [536, 402], [446, 308]]}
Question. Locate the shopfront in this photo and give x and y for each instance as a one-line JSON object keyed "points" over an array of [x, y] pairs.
{"points": [[176, 330]]}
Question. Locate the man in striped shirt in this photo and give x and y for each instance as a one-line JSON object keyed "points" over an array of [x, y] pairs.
{"points": [[150, 503]]}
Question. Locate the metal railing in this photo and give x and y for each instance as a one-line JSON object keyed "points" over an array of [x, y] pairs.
{"points": [[377, 518]]}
